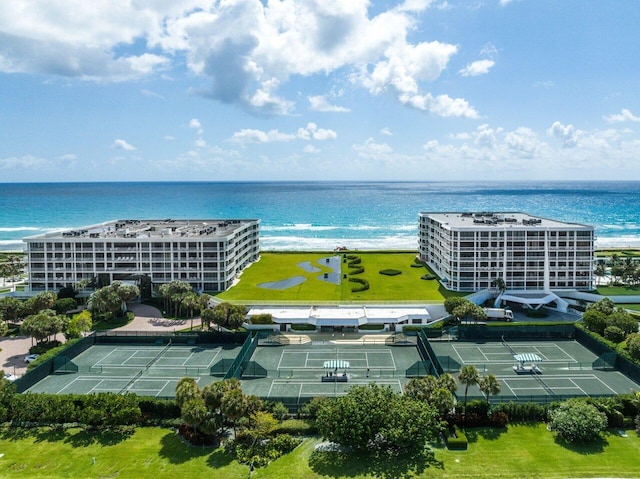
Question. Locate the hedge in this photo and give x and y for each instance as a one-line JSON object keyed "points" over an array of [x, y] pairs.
{"points": [[458, 442], [390, 272], [363, 285], [295, 427]]}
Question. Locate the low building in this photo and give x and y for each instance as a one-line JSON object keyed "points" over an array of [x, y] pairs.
{"points": [[345, 318], [208, 254], [470, 251]]}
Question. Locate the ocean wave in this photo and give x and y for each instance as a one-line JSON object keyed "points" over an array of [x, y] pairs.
{"points": [[298, 227], [297, 243], [618, 241], [311, 227], [20, 228]]}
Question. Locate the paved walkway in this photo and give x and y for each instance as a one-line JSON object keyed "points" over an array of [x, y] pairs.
{"points": [[147, 318]]}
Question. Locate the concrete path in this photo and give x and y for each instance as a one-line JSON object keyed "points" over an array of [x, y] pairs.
{"points": [[149, 318]]}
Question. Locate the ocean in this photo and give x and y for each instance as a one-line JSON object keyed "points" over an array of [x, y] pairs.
{"points": [[318, 215]]}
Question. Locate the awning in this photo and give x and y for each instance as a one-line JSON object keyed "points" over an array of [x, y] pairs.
{"points": [[335, 364], [527, 358]]}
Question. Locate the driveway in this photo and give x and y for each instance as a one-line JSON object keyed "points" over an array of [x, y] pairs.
{"points": [[149, 318]]}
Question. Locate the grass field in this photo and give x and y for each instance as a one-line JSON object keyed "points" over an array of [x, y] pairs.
{"points": [[519, 452], [273, 267], [619, 290]]}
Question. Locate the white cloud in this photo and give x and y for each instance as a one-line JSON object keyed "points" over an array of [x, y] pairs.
{"points": [[310, 149], [200, 143], [442, 105], [151, 94], [169, 137], [543, 84], [624, 115], [309, 132], [386, 132], [246, 49], [372, 150], [122, 145], [23, 162], [567, 134], [321, 103], [480, 67], [194, 124]]}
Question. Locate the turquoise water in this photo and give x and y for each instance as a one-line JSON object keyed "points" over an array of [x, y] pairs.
{"points": [[318, 215]]}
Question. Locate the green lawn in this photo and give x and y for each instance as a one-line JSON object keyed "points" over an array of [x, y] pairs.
{"points": [[618, 290], [273, 267], [519, 452]]}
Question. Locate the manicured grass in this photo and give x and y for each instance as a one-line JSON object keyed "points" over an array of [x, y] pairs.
{"points": [[517, 452], [273, 267], [618, 290], [620, 252]]}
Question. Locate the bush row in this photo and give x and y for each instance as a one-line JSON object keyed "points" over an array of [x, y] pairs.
{"points": [[90, 410], [363, 285]]}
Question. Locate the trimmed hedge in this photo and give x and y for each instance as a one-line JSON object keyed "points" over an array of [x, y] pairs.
{"points": [[459, 442], [390, 272], [371, 327], [363, 285], [303, 327], [427, 277], [359, 270], [295, 427]]}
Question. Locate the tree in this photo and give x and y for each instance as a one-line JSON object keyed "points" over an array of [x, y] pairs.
{"points": [[113, 298], [43, 300], [208, 316], [614, 334], [468, 376], [605, 306], [375, 418], [499, 284], [623, 320], [79, 324], [633, 345], [600, 272], [173, 292], [191, 302], [577, 421], [11, 268], [42, 325], [489, 385], [11, 309], [478, 313], [229, 315], [450, 304], [595, 321]]}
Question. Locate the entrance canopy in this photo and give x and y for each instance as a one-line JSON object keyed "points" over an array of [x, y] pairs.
{"points": [[335, 364], [527, 358]]}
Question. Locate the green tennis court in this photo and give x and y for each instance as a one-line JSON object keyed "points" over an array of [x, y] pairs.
{"points": [[328, 366], [143, 369], [552, 369]]}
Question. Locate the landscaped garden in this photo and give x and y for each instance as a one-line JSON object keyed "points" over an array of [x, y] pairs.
{"points": [[372, 268]]}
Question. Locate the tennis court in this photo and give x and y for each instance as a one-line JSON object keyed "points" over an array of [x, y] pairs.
{"points": [[328, 366], [143, 369], [543, 369]]}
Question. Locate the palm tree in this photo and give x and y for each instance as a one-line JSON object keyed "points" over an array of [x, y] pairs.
{"points": [[489, 385], [468, 376], [600, 272]]}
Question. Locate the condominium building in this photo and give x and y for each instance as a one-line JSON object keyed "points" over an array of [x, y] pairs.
{"points": [[208, 254], [471, 250]]}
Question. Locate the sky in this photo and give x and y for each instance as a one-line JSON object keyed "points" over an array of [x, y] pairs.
{"points": [[250, 90]]}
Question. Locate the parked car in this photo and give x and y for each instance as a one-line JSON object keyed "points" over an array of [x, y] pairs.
{"points": [[31, 358], [10, 377]]}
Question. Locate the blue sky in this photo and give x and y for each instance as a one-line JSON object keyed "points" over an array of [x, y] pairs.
{"points": [[113, 90]]}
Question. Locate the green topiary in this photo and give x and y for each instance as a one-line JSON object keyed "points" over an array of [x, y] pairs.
{"points": [[390, 272]]}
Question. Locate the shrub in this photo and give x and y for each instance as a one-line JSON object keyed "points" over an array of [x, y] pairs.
{"points": [[303, 327], [633, 346], [428, 277], [265, 318], [614, 334], [355, 261], [457, 442], [371, 327], [417, 265], [363, 285], [525, 411], [577, 421], [390, 272], [295, 427], [359, 270], [277, 409]]}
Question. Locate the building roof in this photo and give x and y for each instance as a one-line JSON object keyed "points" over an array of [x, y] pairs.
{"points": [[128, 229], [341, 316], [501, 220]]}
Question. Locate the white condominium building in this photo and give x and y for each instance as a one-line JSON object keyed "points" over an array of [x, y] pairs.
{"points": [[208, 254], [471, 250]]}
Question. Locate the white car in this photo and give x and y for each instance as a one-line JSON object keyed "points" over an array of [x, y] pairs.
{"points": [[31, 358], [10, 377]]}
